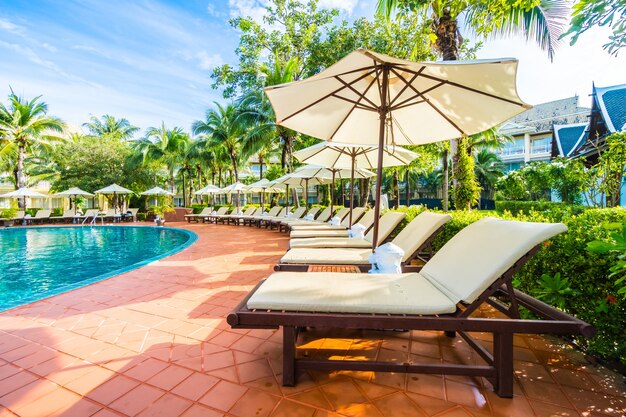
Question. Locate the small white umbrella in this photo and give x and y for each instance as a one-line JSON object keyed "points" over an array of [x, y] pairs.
{"points": [[376, 99], [23, 193], [235, 188], [157, 191], [335, 155], [264, 186], [208, 190], [74, 192], [114, 189]]}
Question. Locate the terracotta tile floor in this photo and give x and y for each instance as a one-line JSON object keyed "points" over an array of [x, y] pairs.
{"points": [[154, 342]]}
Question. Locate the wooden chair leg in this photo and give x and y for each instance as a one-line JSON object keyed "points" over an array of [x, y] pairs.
{"points": [[289, 356], [450, 333], [503, 361]]}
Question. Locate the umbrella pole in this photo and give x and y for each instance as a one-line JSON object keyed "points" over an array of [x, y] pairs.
{"points": [[306, 193], [351, 190], [287, 199], [381, 142], [262, 198], [332, 194]]}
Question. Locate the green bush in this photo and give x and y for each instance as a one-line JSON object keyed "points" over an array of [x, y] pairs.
{"points": [[32, 211], [525, 207], [411, 213], [141, 217], [197, 208], [8, 213], [57, 212], [594, 295]]}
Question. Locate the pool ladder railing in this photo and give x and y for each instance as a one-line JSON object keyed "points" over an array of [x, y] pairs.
{"points": [[93, 220]]}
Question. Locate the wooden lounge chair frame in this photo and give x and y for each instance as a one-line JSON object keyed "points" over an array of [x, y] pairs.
{"points": [[498, 368], [195, 217], [241, 218], [406, 265]]}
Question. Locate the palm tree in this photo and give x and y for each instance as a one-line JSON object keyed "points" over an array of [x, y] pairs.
{"points": [[164, 146], [543, 22], [488, 168], [24, 127], [222, 128], [108, 127], [258, 114]]}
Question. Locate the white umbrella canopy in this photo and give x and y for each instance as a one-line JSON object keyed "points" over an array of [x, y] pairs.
{"points": [[157, 191], [234, 188], [335, 155], [372, 98], [24, 192], [264, 186], [73, 192], [114, 189], [207, 190]]}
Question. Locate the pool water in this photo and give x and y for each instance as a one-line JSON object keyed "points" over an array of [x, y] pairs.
{"points": [[38, 262]]}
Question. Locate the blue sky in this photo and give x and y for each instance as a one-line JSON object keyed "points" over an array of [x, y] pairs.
{"points": [[150, 60]]}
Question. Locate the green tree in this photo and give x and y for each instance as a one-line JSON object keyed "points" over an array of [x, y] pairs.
{"points": [[26, 126], [163, 146], [568, 179], [611, 165], [107, 127], [488, 168], [466, 195], [539, 20], [593, 13], [222, 128]]}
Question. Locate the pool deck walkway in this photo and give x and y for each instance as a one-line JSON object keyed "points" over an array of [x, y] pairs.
{"points": [[154, 342]]}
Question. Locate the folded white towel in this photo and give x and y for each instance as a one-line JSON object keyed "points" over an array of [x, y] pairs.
{"points": [[335, 221], [357, 231]]}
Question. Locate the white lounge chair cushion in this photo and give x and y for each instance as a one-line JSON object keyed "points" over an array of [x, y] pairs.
{"points": [[413, 236], [330, 242], [481, 252], [296, 234], [319, 226], [350, 293], [327, 256]]}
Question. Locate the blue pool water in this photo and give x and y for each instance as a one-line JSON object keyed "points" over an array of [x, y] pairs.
{"points": [[39, 262]]}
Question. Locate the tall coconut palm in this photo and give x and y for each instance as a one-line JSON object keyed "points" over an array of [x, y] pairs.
{"points": [[24, 126], [544, 23], [222, 128], [258, 114], [110, 128], [165, 146], [488, 168]]}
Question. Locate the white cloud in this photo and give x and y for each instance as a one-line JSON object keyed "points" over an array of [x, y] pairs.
{"points": [[346, 6], [11, 27], [207, 61], [248, 8], [212, 11]]}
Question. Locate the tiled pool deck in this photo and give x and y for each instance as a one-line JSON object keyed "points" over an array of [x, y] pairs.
{"points": [[154, 342]]}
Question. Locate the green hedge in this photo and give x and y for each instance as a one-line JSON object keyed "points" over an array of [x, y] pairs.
{"points": [[57, 212], [595, 298], [517, 207]]}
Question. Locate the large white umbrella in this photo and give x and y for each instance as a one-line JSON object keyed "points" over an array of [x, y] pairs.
{"points": [[23, 193], [114, 190], [376, 99], [157, 191], [73, 192], [264, 186]]}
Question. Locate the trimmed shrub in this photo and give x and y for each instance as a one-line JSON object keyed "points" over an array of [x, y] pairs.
{"points": [[57, 212], [525, 207]]}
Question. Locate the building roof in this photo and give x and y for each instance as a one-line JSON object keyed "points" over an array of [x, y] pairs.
{"points": [[542, 117], [612, 104], [569, 137]]}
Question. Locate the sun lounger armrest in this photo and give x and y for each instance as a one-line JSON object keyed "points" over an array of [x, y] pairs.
{"points": [[233, 318]]}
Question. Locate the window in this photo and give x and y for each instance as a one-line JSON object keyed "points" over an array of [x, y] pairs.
{"points": [[541, 145], [513, 148]]}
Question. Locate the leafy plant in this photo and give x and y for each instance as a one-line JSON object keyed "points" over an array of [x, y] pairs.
{"points": [[615, 245], [554, 290], [8, 213]]}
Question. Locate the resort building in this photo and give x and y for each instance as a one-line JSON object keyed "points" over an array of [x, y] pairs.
{"points": [[532, 131]]}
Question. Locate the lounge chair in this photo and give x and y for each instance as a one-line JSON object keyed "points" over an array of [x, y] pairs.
{"points": [[267, 220], [41, 216], [214, 218], [111, 214], [321, 218], [234, 218], [477, 263], [297, 214], [342, 213], [130, 215], [367, 221], [256, 219], [250, 219], [413, 239], [19, 217], [196, 217], [386, 225], [283, 225], [66, 217]]}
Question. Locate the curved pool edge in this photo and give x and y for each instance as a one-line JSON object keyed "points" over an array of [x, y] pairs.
{"points": [[192, 238]]}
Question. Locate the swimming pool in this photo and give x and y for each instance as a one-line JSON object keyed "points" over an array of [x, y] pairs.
{"points": [[38, 262]]}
